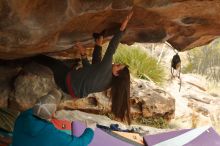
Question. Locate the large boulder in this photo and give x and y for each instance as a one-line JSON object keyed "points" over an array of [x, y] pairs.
{"points": [[33, 82], [152, 100], [195, 107], [30, 27]]}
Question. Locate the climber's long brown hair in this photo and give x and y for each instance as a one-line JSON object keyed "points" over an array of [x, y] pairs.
{"points": [[120, 94]]}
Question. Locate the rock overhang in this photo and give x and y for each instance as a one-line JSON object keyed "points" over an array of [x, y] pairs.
{"points": [[37, 26]]}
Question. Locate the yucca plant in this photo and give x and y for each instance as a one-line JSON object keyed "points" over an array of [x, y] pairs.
{"points": [[140, 63]]}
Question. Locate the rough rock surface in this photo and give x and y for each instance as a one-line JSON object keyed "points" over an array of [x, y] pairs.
{"points": [[195, 107], [4, 95], [32, 82], [30, 27]]}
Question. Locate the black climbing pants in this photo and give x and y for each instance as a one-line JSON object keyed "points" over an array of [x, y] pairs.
{"points": [[58, 68]]}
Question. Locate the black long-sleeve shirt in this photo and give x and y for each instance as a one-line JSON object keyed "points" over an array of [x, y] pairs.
{"points": [[95, 77], [97, 54]]}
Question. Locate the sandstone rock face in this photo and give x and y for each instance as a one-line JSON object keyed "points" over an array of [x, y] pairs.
{"points": [[151, 100], [30, 27], [195, 107]]}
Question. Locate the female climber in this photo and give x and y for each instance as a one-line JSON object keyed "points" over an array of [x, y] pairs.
{"points": [[98, 76]]}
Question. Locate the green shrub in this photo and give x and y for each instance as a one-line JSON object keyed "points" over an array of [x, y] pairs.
{"points": [[157, 122], [188, 68], [140, 63]]}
